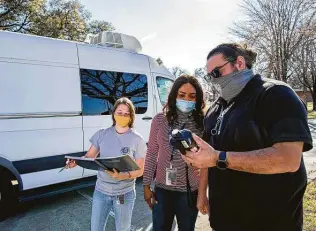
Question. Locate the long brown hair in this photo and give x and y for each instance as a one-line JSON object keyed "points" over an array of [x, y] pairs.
{"points": [[131, 108], [170, 109]]}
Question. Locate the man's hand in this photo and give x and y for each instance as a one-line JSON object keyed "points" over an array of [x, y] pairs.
{"points": [[203, 204], [205, 157], [149, 196]]}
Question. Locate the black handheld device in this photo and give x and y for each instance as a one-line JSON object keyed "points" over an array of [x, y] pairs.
{"points": [[182, 140]]}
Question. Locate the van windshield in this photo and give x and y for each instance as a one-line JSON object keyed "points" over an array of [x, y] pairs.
{"points": [[164, 86]]}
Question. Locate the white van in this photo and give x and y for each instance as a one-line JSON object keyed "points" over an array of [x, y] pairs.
{"points": [[55, 94]]}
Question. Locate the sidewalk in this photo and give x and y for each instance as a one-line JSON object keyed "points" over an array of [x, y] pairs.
{"points": [[310, 163], [310, 157]]}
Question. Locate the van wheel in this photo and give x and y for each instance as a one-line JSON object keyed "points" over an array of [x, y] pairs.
{"points": [[8, 198]]}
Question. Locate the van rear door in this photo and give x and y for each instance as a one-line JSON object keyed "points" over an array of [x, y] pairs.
{"points": [[40, 119]]}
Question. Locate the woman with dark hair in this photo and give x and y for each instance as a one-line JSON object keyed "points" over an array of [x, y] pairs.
{"points": [[176, 183], [116, 190]]}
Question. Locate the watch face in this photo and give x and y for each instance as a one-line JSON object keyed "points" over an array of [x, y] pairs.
{"points": [[221, 164]]}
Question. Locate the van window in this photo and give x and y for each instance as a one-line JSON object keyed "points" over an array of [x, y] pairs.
{"points": [[164, 86], [100, 90]]}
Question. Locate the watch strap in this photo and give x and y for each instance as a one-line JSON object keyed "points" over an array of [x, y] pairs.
{"points": [[222, 156], [222, 161]]}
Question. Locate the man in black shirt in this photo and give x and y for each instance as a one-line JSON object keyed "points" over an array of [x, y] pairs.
{"points": [[252, 160]]}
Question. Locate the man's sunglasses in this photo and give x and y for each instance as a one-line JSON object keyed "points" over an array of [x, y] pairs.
{"points": [[215, 73]]}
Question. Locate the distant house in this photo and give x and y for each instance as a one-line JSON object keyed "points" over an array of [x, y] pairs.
{"points": [[306, 96]]}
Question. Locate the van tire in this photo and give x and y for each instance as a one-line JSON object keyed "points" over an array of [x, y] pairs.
{"points": [[8, 197]]}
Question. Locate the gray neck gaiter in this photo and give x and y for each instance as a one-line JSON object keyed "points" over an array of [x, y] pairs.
{"points": [[229, 86]]}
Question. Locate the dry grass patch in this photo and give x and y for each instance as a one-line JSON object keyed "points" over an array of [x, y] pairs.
{"points": [[310, 207]]}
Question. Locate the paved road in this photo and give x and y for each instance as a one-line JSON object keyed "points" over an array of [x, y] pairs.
{"points": [[72, 211]]}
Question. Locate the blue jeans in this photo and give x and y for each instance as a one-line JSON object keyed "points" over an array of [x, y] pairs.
{"points": [[102, 205], [170, 204]]}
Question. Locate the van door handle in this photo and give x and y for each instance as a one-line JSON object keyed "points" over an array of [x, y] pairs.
{"points": [[147, 118]]}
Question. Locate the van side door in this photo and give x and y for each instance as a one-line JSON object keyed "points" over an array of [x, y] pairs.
{"points": [[107, 75]]}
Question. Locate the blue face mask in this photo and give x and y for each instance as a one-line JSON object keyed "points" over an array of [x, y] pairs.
{"points": [[185, 106]]}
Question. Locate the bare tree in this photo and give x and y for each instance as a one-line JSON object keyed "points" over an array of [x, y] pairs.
{"points": [[276, 29], [178, 71], [305, 68], [209, 89], [200, 72]]}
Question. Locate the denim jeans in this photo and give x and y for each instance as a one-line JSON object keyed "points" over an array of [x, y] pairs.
{"points": [[170, 204], [102, 205]]}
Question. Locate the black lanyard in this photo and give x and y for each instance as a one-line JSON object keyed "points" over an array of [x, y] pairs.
{"points": [[189, 193]]}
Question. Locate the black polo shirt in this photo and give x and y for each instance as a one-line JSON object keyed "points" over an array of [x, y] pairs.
{"points": [[264, 113]]}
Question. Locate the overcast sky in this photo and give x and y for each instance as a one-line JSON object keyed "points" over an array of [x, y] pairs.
{"points": [[181, 32]]}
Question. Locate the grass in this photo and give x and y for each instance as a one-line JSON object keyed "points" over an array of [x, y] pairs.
{"points": [[311, 115], [310, 207], [309, 106], [311, 112]]}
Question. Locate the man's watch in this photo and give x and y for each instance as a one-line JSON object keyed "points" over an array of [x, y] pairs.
{"points": [[222, 163]]}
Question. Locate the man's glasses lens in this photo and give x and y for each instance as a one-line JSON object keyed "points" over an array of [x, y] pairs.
{"points": [[216, 73], [213, 74]]}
